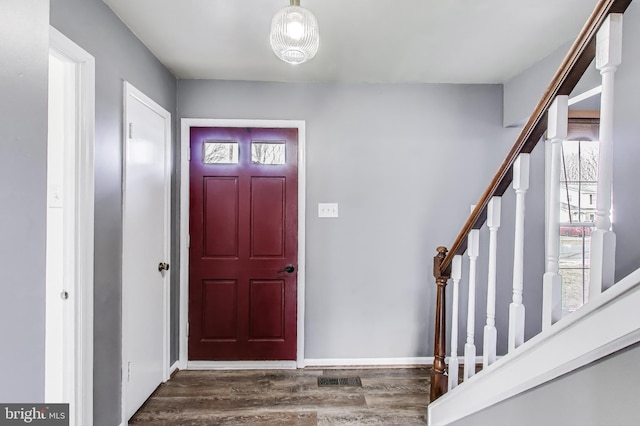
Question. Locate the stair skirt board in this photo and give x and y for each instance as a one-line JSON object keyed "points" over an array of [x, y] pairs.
{"points": [[607, 324]]}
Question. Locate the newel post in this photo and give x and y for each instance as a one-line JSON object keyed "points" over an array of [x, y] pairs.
{"points": [[439, 371]]}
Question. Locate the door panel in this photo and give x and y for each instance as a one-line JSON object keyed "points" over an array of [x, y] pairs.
{"points": [[268, 217], [221, 227], [243, 232], [220, 302], [267, 310]]}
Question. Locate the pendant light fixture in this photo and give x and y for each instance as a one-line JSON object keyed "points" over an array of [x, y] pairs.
{"points": [[294, 34]]}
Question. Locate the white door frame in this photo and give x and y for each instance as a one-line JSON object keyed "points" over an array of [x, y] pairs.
{"points": [[81, 285], [130, 90], [186, 124]]}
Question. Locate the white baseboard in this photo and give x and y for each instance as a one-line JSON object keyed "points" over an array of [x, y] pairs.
{"points": [[174, 367], [240, 365], [182, 364], [352, 362]]}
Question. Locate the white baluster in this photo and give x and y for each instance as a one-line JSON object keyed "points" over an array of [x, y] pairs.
{"points": [[473, 247], [552, 281], [603, 240], [456, 275], [516, 308], [490, 333]]}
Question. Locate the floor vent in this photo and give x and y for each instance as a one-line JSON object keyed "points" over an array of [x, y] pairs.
{"points": [[339, 381]]}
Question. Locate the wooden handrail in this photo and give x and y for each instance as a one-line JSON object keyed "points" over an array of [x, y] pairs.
{"points": [[563, 82]]}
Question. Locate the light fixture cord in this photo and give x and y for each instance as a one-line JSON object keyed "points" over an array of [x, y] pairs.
{"points": [[295, 2]]}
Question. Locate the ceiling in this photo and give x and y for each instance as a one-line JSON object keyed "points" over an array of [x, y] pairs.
{"points": [[385, 41]]}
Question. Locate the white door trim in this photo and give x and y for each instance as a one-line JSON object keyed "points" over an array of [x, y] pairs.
{"points": [[186, 124], [130, 90], [83, 257]]}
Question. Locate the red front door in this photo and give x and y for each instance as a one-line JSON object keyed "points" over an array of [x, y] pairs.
{"points": [[243, 225]]}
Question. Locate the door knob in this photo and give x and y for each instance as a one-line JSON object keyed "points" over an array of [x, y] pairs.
{"points": [[288, 269], [163, 266]]}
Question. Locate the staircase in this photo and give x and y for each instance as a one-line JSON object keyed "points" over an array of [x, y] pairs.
{"points": [[607, 322]]}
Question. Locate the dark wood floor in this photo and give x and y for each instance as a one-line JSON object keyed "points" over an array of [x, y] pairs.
{"points": [[388, 396]]}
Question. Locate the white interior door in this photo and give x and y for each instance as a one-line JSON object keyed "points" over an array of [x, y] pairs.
{"points": [[145, 247]]}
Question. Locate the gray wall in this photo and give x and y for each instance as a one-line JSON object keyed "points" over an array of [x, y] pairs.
{"points": [[24, 47], [522, 92], [119, 56], [604, 393], [404, 162]]}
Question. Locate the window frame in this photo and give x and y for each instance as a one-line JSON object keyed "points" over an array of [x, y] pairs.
{"points": [[582, 126]]}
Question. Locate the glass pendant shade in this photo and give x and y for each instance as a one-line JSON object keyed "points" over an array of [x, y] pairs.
{"points": [[294, 34]]}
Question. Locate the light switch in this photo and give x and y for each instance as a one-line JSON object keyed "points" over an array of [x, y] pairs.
{"points": [[327, 209]]}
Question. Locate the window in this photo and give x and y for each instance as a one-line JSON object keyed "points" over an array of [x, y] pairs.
{"points": [[268, 152], [578, 189], [220, 152]]}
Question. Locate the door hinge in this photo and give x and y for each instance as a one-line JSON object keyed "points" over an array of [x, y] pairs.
{"points": [[131, 130], [189, 241], [129, 371], [188, 155], [187, 328]]}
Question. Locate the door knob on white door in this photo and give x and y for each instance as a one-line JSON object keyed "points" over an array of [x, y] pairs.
{"points": [[163, 266]]}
